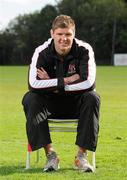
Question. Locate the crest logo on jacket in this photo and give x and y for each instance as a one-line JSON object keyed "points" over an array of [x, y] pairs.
{"points": [[71, 69]]}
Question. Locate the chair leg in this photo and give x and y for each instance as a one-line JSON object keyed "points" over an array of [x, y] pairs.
{"points": [[28, 160], [94, 161]]}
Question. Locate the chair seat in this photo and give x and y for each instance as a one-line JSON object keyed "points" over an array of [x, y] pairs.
{"points": [[63, 125]]}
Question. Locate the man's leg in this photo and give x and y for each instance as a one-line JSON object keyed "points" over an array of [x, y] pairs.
{"points": [[88, 125], [36, 124], [88, 128], [37, 128]]}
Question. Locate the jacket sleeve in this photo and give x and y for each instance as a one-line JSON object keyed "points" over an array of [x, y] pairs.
{"points": [[87, 70], [34, 83]]}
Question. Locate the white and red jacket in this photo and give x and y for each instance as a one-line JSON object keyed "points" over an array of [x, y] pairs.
{"points": [[80, 60]]}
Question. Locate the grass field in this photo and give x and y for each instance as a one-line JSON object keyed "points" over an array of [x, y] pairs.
{"points": [[111, 154]]}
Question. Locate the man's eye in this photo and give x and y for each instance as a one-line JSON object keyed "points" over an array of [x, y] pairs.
{"points": [[68, 34]]}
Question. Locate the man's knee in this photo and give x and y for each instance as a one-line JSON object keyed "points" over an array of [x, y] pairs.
{"points": [[91, 98], [30, 98]]}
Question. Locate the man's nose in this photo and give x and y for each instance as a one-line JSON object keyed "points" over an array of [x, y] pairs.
{"points": [[64, 37]]}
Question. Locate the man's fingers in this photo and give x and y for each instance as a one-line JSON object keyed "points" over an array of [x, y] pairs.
{"points": [[42, 74], [43, 69], [39, 71]]}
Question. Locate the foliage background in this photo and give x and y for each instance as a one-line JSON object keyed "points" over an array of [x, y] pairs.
{"points": [[102, 23]]}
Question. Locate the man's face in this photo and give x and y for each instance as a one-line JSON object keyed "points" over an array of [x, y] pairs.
{"points": [[63, 39]]}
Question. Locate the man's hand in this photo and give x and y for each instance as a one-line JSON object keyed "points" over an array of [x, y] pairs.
{"points": [[42, 74], [71, 79]]}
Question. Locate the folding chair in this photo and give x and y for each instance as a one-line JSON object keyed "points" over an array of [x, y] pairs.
{"points": [[59, 125]]}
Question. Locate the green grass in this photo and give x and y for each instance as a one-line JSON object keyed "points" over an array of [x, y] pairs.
{"points": [[111, 154]]}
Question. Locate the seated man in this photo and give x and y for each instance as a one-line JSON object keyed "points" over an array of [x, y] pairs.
{"points": [[61, 85]]}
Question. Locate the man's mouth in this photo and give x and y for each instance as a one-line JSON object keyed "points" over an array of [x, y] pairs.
{"points": [[64, 44]]}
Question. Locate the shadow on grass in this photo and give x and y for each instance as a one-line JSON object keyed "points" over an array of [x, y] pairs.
{"points": [[8, 170]]}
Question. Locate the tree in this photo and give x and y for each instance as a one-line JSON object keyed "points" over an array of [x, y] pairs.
{"points": [[97, 22], [6, 47], [102, 23], [112, 13], [28, 31]]}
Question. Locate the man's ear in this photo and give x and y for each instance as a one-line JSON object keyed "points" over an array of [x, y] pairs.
{"points": [[51, 33]]}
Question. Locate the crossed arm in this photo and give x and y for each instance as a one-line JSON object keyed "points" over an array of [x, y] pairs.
{"points": [[42, 74]]}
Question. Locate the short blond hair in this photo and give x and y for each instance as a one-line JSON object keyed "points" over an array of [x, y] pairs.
{"points": [[63, 21]]}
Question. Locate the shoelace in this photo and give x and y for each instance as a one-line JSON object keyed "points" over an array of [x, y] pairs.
{"points": [[50, 158], [83, 158], [82, 155]]}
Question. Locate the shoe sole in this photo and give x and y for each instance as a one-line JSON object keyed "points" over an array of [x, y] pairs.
{"points": [[84, 170], [50, 169]]}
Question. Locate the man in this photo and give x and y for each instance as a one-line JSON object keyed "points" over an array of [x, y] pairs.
{"points": [[62, 85]]}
